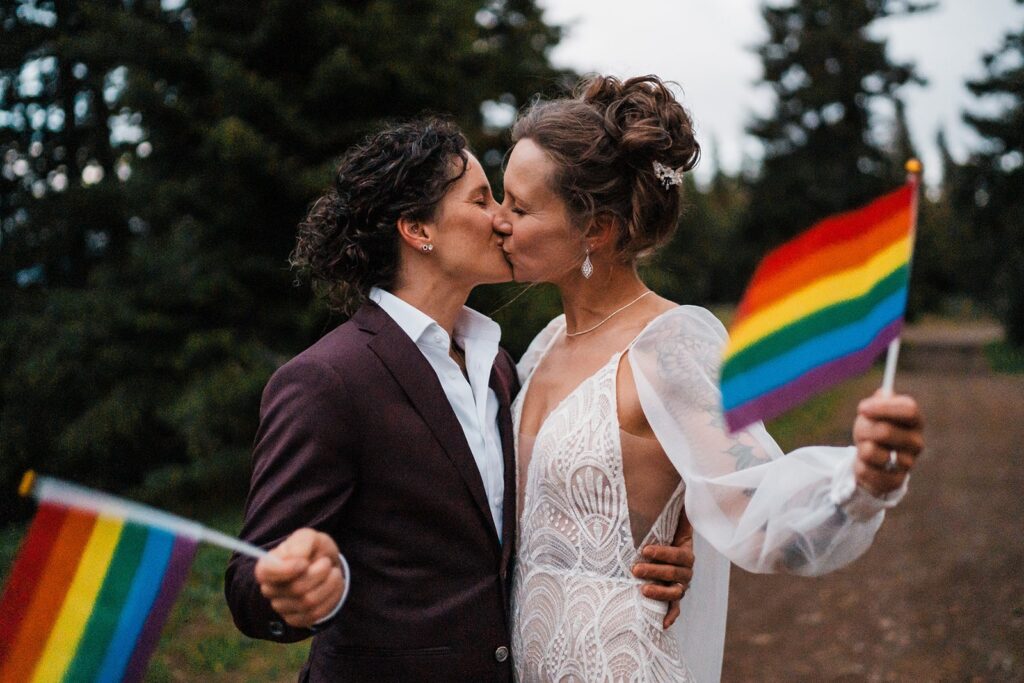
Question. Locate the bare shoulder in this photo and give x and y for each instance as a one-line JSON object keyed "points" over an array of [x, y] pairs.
{"points": [[663, 305]]}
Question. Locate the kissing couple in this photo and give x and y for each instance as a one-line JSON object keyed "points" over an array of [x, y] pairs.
{"points": [[435, 512]]}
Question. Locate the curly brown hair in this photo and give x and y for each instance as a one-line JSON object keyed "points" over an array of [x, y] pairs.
{"points": [[604, 141], [348, 241]]}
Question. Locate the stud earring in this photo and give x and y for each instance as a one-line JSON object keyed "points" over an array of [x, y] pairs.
{"points": [[427, 248], [587, 269]]}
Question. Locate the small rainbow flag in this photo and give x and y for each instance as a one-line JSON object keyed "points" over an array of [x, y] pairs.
{"points": [[819, 309], [92, 586]]}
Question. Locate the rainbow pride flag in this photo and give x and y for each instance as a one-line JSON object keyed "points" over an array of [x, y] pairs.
{"points": [[819, 309], [91, 587]]}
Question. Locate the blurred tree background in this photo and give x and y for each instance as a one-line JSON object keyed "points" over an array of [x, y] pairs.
{"points": [[155, 157], [987, 192], [837, 136]]}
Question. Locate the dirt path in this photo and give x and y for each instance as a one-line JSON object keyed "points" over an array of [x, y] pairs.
{"points": [[940, 595]]}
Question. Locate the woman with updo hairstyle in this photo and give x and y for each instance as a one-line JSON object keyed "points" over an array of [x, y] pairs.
{"points": [[619, 422], [604, 142]]}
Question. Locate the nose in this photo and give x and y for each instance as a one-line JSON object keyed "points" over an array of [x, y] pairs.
{"points": [[501, 224]]}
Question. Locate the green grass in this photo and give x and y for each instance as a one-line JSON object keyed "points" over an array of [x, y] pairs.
{"points": [[1003, 357]]}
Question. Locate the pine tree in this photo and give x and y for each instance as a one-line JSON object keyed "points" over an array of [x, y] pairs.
{"points": [[935, 278], [988, 191], [692, 267], [151, 371], [823, 148], [61, 200]]}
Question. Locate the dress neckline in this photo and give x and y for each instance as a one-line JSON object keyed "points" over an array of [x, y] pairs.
{"points": [[524, 390], [613, 360]]}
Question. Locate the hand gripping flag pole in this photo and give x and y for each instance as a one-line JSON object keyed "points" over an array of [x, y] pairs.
{"points": [[93, 584]]}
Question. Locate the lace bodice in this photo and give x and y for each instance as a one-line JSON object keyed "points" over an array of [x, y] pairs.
{"points": [[578, 612]]}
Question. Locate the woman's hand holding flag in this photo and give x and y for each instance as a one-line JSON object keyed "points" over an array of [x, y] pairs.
{"points": [[885, 424], [303, 578]]}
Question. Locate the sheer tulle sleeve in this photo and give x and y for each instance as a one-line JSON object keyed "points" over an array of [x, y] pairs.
{"points": [[536, 349], [749, 503], [800, 513]]}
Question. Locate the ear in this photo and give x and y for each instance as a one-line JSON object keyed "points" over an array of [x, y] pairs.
{"points": [[602, 231], [414, 233]]}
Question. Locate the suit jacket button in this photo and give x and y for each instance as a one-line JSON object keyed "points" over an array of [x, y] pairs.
{"points": [[276, 628], [501, 654]]}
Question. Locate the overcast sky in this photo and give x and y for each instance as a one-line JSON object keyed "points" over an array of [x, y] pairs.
{"points": [[703, 45]]}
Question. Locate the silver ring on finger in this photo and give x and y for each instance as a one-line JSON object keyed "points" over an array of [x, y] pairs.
{"points": [[892, 464]]}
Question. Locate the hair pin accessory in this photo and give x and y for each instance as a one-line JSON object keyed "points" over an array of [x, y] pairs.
{"points": [[669, 177]]}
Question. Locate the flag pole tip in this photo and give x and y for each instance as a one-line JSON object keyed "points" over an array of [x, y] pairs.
{"points": [[913, 166], [28, 480]]}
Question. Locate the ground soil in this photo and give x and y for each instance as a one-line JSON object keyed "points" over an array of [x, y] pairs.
{"points": [[940, 595]]}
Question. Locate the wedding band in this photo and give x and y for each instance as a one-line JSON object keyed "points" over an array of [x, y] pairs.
{"points": [[891, 464]]}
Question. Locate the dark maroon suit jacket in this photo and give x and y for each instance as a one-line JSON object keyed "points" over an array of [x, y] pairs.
{"points": [[357, 439]]}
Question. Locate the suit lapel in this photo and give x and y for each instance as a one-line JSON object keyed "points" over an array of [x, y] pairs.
{"points": [[418, 380]]}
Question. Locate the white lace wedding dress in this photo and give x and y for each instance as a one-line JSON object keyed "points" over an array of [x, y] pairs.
{"points": [[578, 614]]}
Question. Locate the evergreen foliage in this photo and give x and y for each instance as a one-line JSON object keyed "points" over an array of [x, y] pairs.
{"points": [[825, 145], [936, 279], [988, 191], [216, 123], [58, 76], [156, 155], [692, 268]]}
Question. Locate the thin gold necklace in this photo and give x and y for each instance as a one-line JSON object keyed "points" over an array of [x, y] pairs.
{"points": [[614, 313]]}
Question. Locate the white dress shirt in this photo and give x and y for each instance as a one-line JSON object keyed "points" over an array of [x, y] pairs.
{"points": [[475, 404]]}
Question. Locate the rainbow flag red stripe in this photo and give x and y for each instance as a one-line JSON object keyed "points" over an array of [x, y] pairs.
{"points": [[819, 309], [87, 597]]}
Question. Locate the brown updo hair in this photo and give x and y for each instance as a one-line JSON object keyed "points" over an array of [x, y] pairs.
{"points": [[604, 141], [348, 242]]}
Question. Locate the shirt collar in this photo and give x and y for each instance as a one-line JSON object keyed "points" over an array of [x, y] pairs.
{"points": [[415, 323], [475, 325]]}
